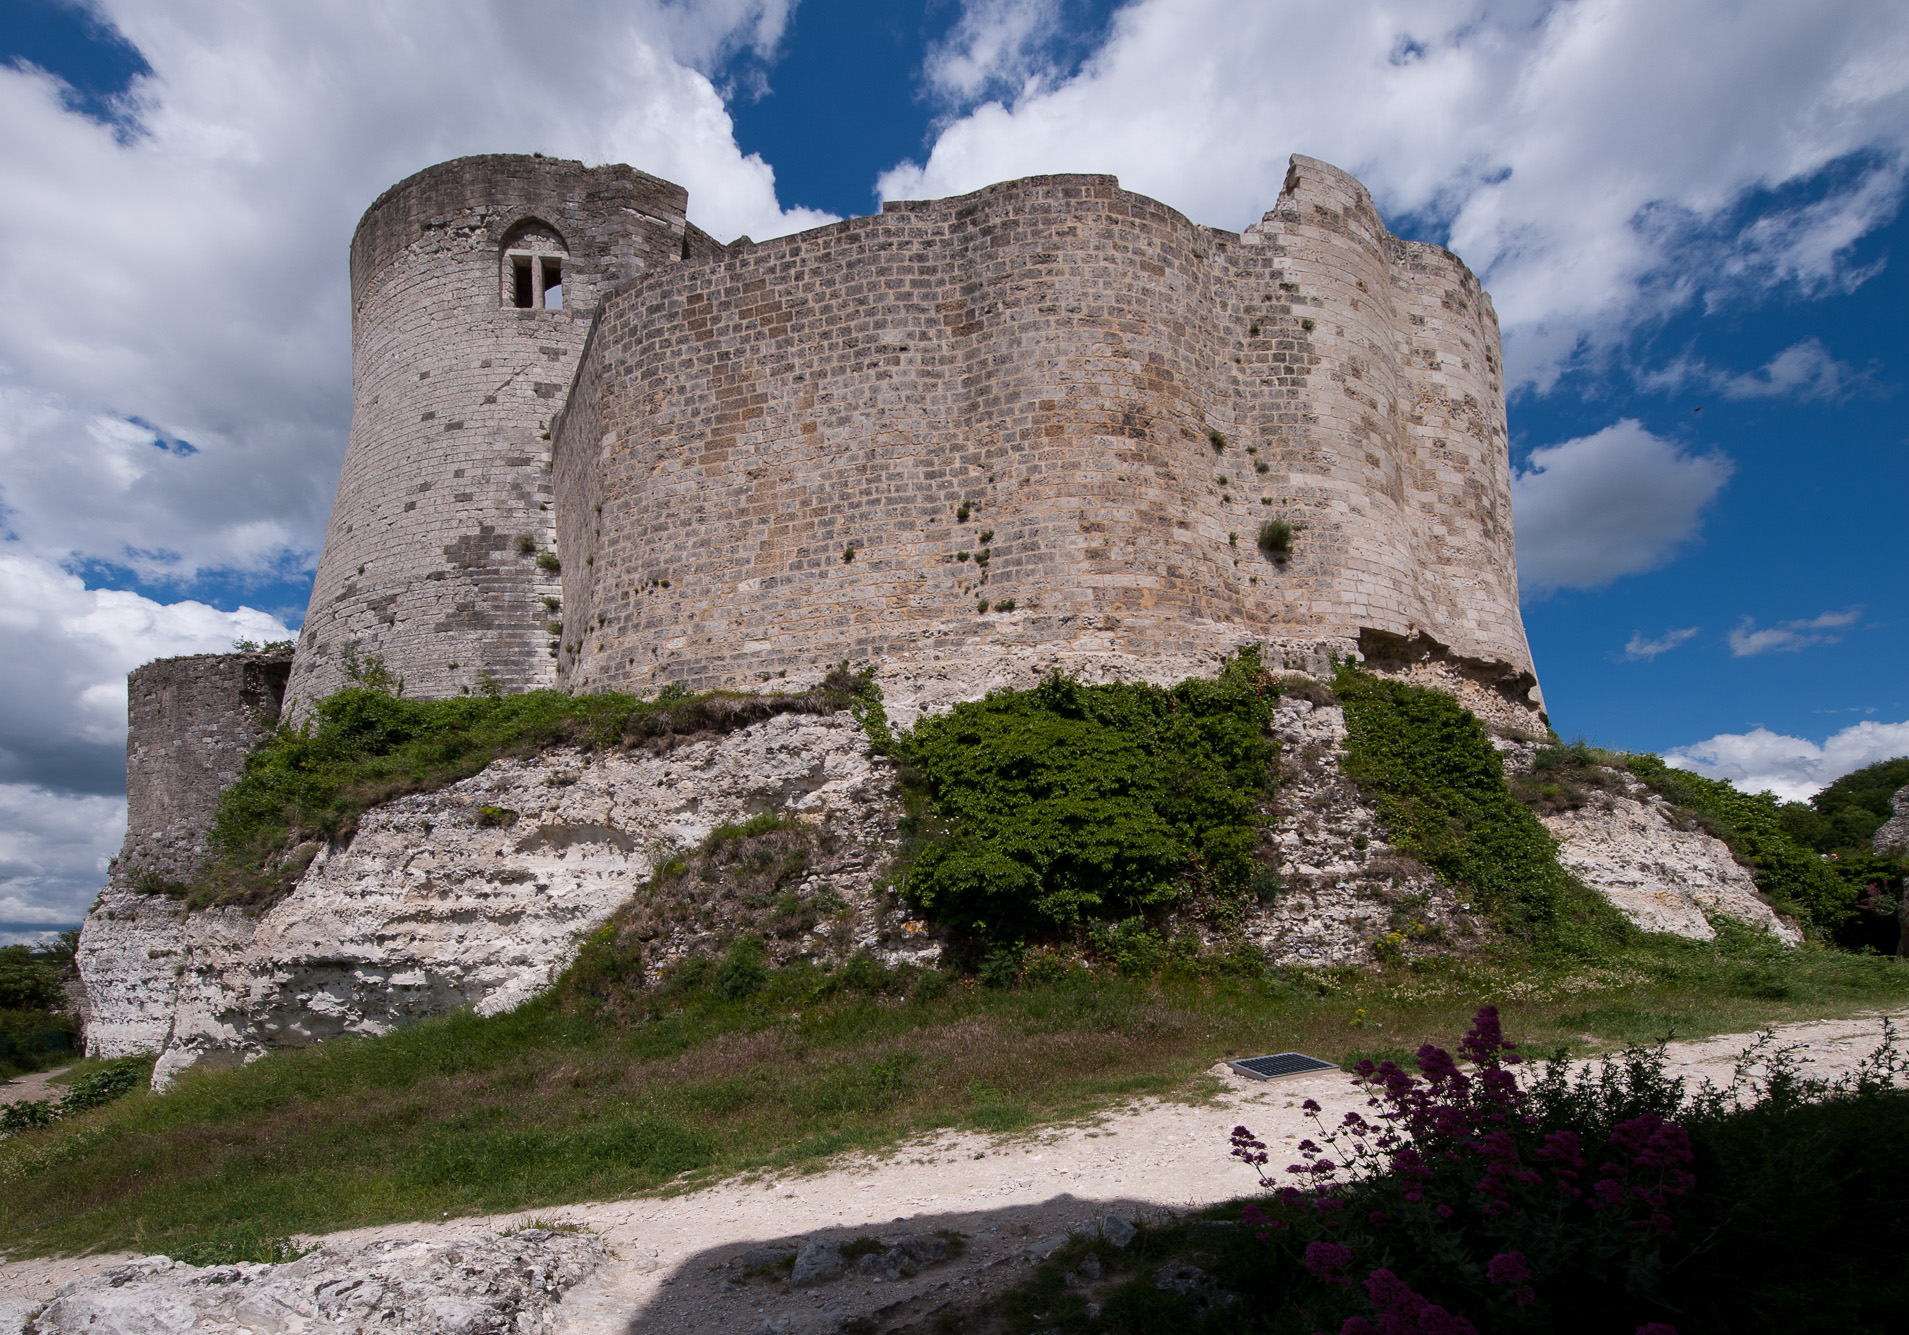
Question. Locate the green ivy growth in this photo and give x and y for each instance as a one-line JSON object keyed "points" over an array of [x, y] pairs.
{"points": [[1794, 877], [1442, 793], [1040, 809]]}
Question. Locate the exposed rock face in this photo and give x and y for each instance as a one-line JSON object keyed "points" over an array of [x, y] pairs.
{"points": [[475, 895], [1344, 888], [1894, 834], [481, 1287], [1661, 877]]}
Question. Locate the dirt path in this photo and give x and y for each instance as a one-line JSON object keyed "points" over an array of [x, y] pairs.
{"points": [[34, 1087], [674, 1264]]}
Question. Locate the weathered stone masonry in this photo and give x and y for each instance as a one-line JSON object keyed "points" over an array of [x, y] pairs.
{"points": [[1056, 354], [454, 386], [192, 721]]}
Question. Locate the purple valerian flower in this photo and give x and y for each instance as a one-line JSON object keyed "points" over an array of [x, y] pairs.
{"points": [[1508, 1268], [1328, 1260], [1486, 1044], [1405, 1312]]}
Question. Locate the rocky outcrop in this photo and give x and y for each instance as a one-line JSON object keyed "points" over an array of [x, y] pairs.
{"points": [[1662, 877], [486, 1286], [1345, 892], [476, 895], [1893, 837]]}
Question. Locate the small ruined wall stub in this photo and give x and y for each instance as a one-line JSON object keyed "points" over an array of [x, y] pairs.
{"points": [[444, 502], [1056, 355], [191, 723]]}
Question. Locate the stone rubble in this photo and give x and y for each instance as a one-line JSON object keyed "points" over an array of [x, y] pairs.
{"points": [[508, 1285], [1344, 888]]}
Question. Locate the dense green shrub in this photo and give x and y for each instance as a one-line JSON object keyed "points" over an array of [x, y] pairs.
{"points": [[1442, 793], [1794, 877], [1069, 802]]}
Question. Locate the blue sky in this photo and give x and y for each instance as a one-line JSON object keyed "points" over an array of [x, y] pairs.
{"points": [[1689, 217]]}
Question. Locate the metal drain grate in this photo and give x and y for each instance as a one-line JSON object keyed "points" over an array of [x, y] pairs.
{"points": [[1280, 1063]]}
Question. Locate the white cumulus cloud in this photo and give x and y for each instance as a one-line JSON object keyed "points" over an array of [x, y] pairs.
{"points": [[54, 848], [1791, 767], [1642, 647], [1804, 371], [65, 651], [1616, 503], [1787, 637], [1584, 158]]}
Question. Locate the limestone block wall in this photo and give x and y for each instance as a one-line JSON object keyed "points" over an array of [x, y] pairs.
{"points": [[1050, 358], [445, 498], [191, 722]]}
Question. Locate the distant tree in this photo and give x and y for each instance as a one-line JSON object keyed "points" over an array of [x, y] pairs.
{"points": [[1844, 816], [27, 984]]}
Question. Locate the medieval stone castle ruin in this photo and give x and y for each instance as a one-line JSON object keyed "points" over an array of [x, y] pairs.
{"points": [[969, 441]]}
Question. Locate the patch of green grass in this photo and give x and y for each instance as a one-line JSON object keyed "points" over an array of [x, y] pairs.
{"points": [[368, 744], [570, 1099]]}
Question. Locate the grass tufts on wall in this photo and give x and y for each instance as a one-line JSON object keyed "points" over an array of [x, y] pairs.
{"points": [[364, 746]]}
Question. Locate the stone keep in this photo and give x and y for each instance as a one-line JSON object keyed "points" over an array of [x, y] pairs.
{"points": [[757, 460], [473, 284]]}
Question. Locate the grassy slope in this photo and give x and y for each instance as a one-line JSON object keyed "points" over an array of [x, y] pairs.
{"points": [[553, 1108], [568, 1099]]}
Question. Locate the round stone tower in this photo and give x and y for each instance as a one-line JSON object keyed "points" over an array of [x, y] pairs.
{"points": [[473, 284]]}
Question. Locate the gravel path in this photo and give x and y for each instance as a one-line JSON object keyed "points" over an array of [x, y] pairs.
{"points": [[34, 1087], [676, 1262]]}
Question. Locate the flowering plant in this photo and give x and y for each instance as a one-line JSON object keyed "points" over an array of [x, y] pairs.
{"points": [[1503, 1200]]}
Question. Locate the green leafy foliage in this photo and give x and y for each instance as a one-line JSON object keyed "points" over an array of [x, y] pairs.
{"points": [[1442, 792], [1069, 802], [743, 973], [1844, 816], [26, 983], [89, 1089], [1794, 877]]}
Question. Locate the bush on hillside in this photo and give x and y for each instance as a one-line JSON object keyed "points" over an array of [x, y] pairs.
{"points": [[1846, 815], [28, 984], [1039, 810]]}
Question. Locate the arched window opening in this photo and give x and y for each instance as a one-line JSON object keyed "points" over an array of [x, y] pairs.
{"points": [[534, 257]]}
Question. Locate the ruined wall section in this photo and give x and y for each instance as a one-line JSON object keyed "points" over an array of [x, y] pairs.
{"points": [[445, 497], [1054, 354], [191, 723]]}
